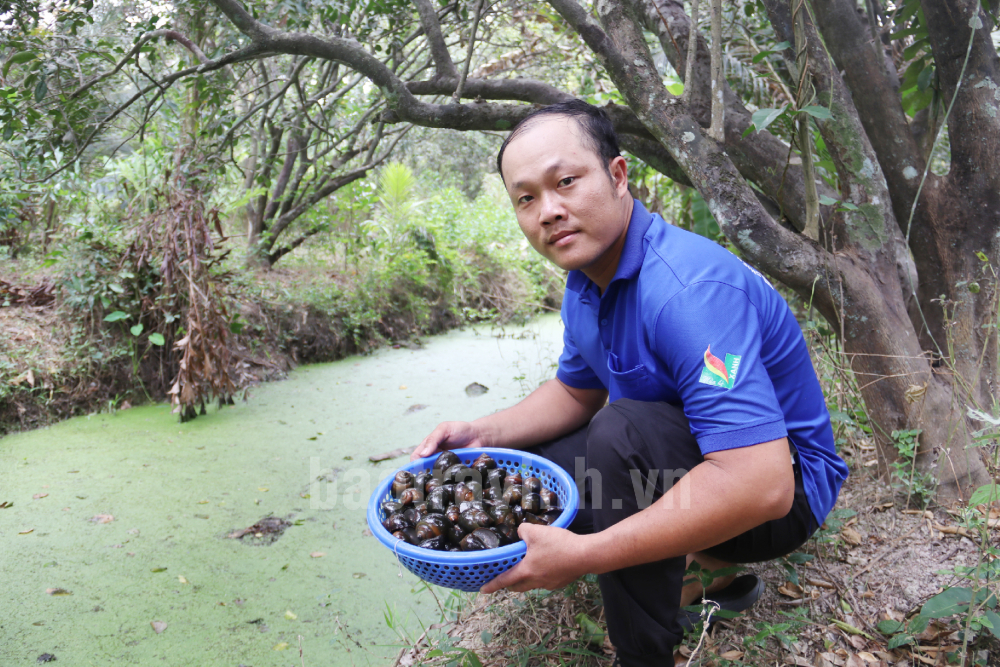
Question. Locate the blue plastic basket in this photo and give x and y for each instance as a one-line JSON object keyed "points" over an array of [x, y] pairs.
{"points": [[470, 570]]}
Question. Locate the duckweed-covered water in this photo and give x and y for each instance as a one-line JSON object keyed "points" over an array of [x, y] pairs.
{"points": [[121, 520]]}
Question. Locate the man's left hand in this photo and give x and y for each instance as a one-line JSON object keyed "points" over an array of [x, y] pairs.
{"points": [[554, 560]]}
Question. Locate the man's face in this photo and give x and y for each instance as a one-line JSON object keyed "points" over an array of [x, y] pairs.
{"points": [[569, 209]]}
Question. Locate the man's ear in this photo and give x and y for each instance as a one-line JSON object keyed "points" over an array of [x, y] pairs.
{"points": [[618, 168]]}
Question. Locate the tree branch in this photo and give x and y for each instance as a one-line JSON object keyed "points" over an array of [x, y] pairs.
{"points": [[754, 154], [444, 66], [790, 258], [468, 56]]}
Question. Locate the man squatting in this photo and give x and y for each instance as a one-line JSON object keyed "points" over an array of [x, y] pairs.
{"points": [[709, 381]]}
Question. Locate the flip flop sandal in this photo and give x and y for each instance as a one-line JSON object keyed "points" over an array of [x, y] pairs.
{"points": [[738, 596]]}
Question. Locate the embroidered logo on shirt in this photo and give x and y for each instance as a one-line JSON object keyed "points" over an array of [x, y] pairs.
{"points": [[719, 374]]}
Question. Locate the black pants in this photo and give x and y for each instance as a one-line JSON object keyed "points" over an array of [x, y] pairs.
{"points": [[614, 461]]}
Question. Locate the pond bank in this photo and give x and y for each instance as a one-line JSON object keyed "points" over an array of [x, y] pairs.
{"points": [[134, 511]]}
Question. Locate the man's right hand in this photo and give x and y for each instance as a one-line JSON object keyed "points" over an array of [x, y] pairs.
{"points": [[449, 435]]}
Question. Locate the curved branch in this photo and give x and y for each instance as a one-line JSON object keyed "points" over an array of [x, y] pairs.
{"points": [[443, 64], [523, 90]]}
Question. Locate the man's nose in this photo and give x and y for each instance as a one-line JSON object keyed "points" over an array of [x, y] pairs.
{"points": [[552, 208]]}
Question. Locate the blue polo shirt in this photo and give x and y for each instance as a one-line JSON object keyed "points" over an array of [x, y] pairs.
{"points": [[687, 322]]}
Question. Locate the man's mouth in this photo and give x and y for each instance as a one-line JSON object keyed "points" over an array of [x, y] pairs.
{"points": [[561, 238]]}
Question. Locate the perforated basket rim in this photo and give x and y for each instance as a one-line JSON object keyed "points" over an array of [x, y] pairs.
{"points": [[413, 552]]}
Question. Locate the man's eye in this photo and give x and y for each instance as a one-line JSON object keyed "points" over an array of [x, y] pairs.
{"points": [[524, 200], [567, 180]]}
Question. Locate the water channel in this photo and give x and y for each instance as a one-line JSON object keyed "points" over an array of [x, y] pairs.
{"points": [[119, 549]]}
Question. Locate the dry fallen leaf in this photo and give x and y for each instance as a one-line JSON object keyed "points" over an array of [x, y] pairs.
{"points": [[102, 518], [317, 554], [281, 647], [57, 591], [182, 580], [290, 615], [158, 626], [25, 532], [731, 655], [851, 536], [402, 386], [262, 488], [39, 495], [828, 660], [788, 589], [855, 661], [5, 504]]}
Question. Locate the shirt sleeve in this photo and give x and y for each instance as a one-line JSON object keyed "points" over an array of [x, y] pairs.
{"points": [[573, 370], [709, 337]]}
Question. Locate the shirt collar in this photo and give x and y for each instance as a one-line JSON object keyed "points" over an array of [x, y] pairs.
{"points": [[632, 252]]}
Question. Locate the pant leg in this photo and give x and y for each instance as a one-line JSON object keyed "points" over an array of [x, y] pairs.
{"points": [[629, 456], [640, 450]]}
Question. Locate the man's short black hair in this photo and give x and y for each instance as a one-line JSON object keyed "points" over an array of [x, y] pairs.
{"points": [[597, 129]]}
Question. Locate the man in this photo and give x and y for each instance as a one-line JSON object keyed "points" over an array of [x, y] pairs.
{"points": [[709, 379]]}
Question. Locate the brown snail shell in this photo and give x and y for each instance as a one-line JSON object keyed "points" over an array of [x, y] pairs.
{"points": [[512, 495], [531, 502], [402, 481], [430, 526], [438, 543], [445, 461], [531, 484]]}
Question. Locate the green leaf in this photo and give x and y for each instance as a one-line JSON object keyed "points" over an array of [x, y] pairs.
{"points": [[818, 112], [952, 601], [849, 206], [994, 622], [42, 89], [889, 627], [764, 117], [115, 316], [781, 46], [156, 339], [982, 256], [912, 50], [924, 79], [899, 640], [470, 659], [917, 624], [984, 495], [676, 88], [17, 58], [590, 631], [136, 329], [827, 201]]}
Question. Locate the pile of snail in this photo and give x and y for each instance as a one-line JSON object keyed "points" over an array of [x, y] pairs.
{"points": [[454, 507]]}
